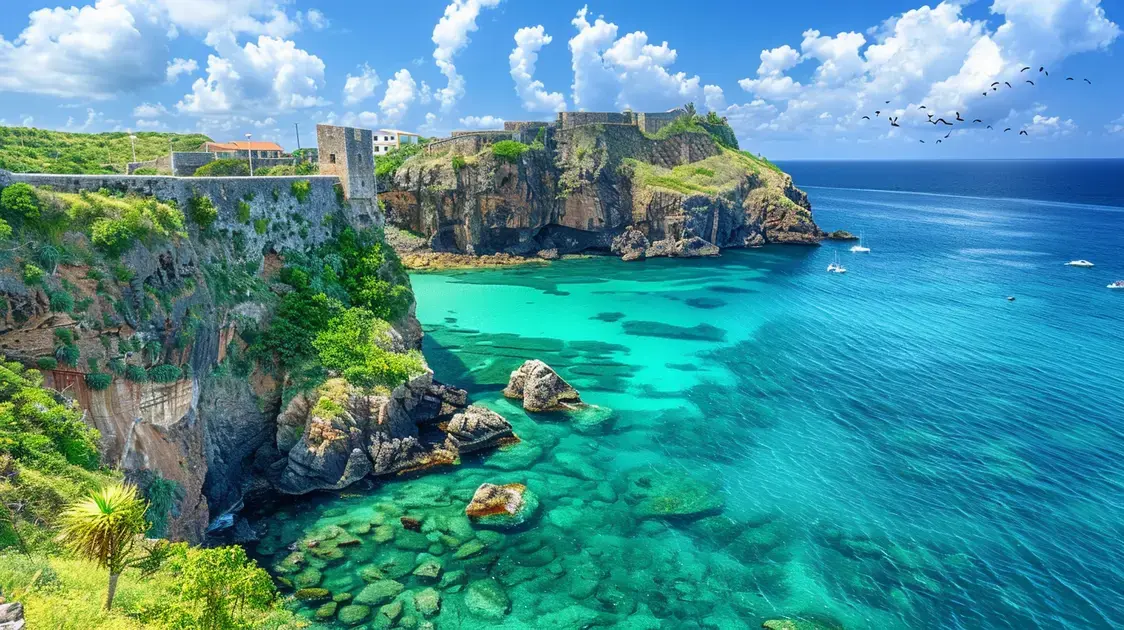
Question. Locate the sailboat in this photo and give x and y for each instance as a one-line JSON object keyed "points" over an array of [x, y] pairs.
{"points": [[835, 266], [860, 249]]}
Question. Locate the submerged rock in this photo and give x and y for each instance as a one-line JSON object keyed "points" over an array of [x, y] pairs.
{"points": [[354, 614], [540, 387], [380, 592], [485, 599], [503, 506], [672, 494], [803, 622]]}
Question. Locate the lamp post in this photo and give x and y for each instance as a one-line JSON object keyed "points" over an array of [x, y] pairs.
{"points": [[250, 151], [133, 142], [171, 157]]}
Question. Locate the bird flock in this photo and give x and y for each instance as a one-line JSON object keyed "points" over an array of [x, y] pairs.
{"points": [[942, 121]]}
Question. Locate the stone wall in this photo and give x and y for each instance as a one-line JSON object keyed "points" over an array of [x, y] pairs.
{"points": [[469, 142], [651, 123], [574, 119], [348, 153]]}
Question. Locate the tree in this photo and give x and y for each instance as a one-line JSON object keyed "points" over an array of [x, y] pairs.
{"points": [[216, 587], [106, 528], [690, 109]]}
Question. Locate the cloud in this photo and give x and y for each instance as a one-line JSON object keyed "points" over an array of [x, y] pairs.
{"points": [[252, 17], [150, 125], [932, 55], [272, 75], [79, 52], [629, 72], [528, 41], [401, 92], [317, 20], [451, 36], [482, 122], [92, 119], [360, 119], [149, 110], [715, 98], [360, 87], [179, 66], [1116, 126]]}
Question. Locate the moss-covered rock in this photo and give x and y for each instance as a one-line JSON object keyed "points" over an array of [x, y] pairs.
{"points": [[353, 614], [502, 507], [312, 594], [380, 592], [485, 599]]}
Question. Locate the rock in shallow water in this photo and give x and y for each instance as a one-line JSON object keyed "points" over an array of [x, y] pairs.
{"points": [[502, 506], [354, 614], [379, 592], [630, 245], [485, 599], [540, 387], [672, 494], [476, 428]]}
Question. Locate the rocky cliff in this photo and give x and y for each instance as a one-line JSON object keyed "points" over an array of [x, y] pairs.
{"points": [[152, 318], [586, 186]]}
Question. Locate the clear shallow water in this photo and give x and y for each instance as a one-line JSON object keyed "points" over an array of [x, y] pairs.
{"points": [[899, 447]]}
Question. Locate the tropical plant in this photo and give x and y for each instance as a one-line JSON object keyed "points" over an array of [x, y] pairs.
{"points": [[218, 588], [108, 528], [98, 381]]}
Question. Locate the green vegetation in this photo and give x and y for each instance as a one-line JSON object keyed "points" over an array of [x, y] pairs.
{"points": [[163, 497], [135, 373], [387, 165], [712, 176], [302, 190], [165, 373], [356, 345], [98, 381], [243, 211], [218, 588], [509, 150], [26, 150], [202, 210], [261, 225], [712, 125], [288, 170], [458, 163], [224, 168], [146, 170]]}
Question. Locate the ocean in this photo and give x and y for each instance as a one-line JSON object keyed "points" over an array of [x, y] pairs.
{"points": [[900, 446]]}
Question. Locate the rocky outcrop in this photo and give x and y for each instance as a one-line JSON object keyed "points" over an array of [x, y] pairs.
{"points": [[840, 235], [584, 192], [540, 388], [11, 617], [347, 433]]}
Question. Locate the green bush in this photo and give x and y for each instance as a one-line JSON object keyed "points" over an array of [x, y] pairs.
{"points": [[47, 363], [261, 225], [61, 300], [458, 163], [98, 381], [509, 150], [68, 355], [19, 204], [164, 496], [146, 170], [355, 344], [32, 274], [218, 589], [288, 170], [165, 373], [202, 210], [302, 190], [387, 165], [65, 335], [112, 236], [117, 366], [5, 230], [225, 168], [243, 211], [135, 373]]}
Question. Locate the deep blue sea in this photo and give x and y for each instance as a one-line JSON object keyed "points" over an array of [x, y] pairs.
{"points": [[897, 447]]}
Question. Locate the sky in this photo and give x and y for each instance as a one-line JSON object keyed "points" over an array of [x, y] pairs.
{"points": [[794, 78]]}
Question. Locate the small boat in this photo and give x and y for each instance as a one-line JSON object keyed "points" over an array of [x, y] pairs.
{"points": [[1119, 284], [860, 249], [1079, 263], [836, 267]]}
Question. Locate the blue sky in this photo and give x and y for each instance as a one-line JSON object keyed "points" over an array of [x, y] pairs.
{"points": [[794, 78]]}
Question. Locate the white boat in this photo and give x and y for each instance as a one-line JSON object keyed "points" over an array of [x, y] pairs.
{"points": [[860, 249], [1119, 284], [836, 267], [1079, 263]]}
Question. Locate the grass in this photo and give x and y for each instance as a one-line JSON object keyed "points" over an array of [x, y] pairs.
{"points": [[712, 176], [28, 150]]}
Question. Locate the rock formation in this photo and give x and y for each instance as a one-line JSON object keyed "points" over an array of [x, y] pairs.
{"points": [[599, 188], [502, 507], [540, 388], [11, 617]]}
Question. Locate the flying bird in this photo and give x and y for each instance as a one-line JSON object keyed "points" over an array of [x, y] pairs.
{"points": [[894, 122], [948, 134], [922, 142], [942, 120], [958, 117], [887, 102], [1025, 69], [1024, 133], [1088, 81], [1008, 84], [995, 84], [866, 117], [922, 107], [985, 93], [990, 127], [1030, 82], [876, 112], [1043, 69], [1006, 130], [1069, 78], [939, 141], [977, 121]]}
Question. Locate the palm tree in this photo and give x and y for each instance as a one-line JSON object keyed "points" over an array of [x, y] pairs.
{"points": [[105, 528], [690, 109]]}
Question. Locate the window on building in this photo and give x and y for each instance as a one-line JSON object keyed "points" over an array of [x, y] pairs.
{"points": [[331, 158]]}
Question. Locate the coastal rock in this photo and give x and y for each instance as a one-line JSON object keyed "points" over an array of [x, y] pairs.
{"points": [[660, 249], [540, 387], [476, 428], [428, 602], [657, 493], [754, 239], [803, 622], [548, 254], [630, 245], [485, 599], [353, 614], [695, 247], [379, 592], [840, 235], [503, 506], [11, 616]]}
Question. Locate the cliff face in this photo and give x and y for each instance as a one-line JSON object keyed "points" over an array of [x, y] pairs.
{"points": [[182, 308], [590, 184]]}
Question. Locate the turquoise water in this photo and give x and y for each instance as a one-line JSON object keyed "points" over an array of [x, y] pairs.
{"points": [[897, 447]]}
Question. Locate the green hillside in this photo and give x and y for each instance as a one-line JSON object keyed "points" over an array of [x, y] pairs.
{"points": [[28, 150]]}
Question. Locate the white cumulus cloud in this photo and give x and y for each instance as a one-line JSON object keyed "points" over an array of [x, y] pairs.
{"points": [[482, 122], [450, 36], [150, 110], [179, 66], [360, 87], [528, 41], [401, 92]]}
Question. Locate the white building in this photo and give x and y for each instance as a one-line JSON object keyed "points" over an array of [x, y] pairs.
{"points": [[387, 139]]}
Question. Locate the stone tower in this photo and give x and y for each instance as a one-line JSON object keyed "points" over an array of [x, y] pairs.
{"points": [[348, 153]]}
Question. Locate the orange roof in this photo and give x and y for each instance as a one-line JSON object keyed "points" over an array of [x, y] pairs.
{"points": [[241, 145]]}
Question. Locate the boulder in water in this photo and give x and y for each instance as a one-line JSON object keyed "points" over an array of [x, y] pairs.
{"points": [[840, 235], [476, 428], [803, 622], [485, 599], [540, 387], [630, 245], [672, 495], [503, 506]]}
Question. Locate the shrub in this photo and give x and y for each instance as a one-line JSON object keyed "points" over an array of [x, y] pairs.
{"points": [[111, 235], [163, 497], [261, 225], [243, 211], [32, 274], [98, 381], [146, 170], [302, 190], [509, 150], [202, 210], [135, 373], [47, 363], [458, 163], [19, 203], [117, 366], [61, 300], [68, 355], [65, 335], [224, 168], [218, 588], [5, 230], [387, 165], [354, 344], [165, 374]]}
